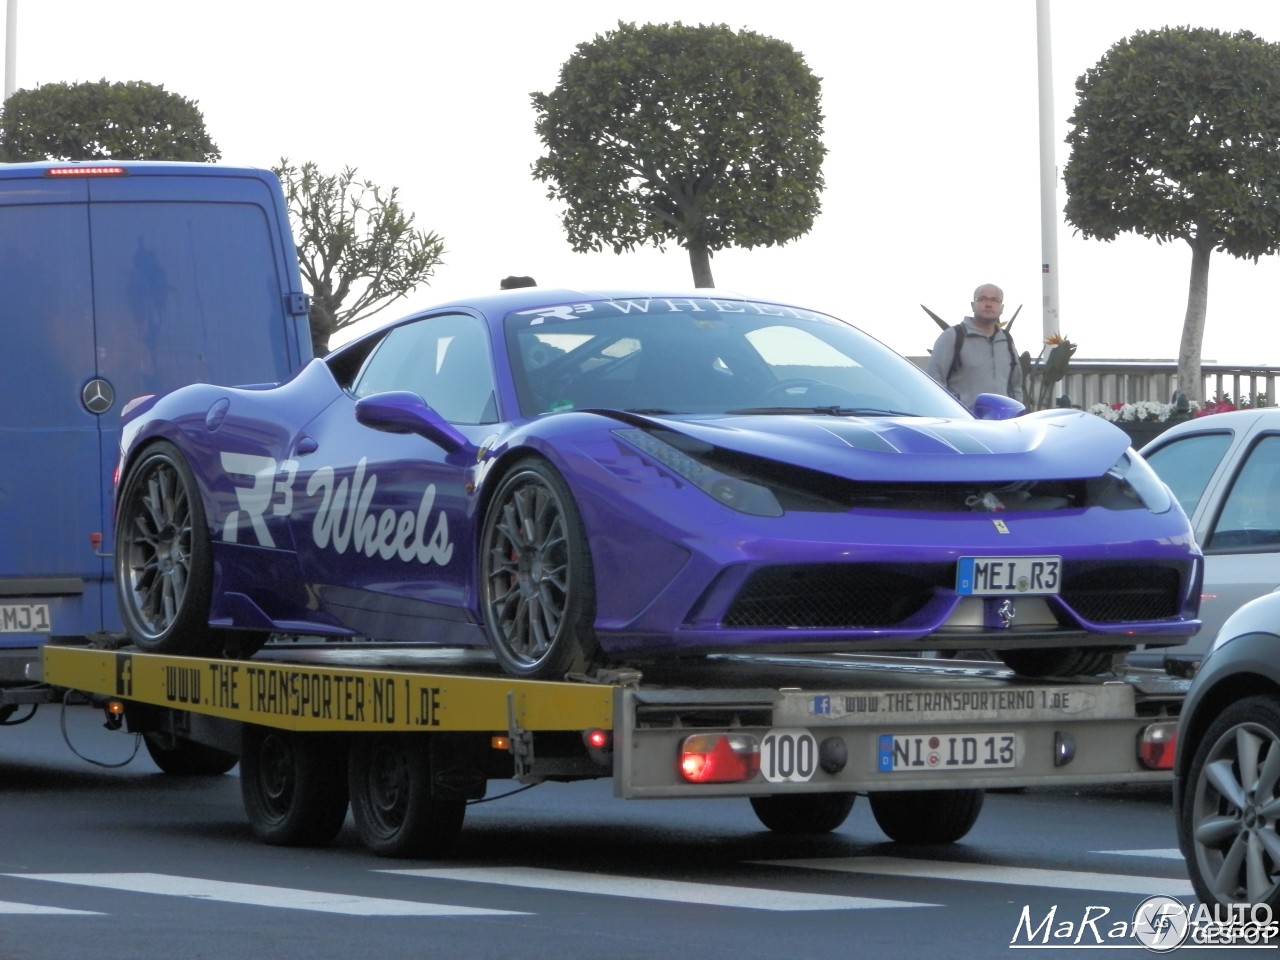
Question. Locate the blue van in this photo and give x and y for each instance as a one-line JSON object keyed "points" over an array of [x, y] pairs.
{"points": [[118, 280]]}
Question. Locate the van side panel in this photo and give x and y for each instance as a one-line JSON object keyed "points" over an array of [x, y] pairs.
{"points": [[172, 274]]}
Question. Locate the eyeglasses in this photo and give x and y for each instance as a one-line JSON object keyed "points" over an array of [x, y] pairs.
{"points": [[988, 300]]}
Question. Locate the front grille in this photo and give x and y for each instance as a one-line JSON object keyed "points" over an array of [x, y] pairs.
{"points": [[835, 596], [1120, 593], [867, 596]]}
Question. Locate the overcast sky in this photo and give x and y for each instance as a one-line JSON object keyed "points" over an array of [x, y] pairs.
{"points": [[932, 175]]}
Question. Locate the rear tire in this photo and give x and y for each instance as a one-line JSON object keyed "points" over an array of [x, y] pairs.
{"points": [[163, 563], [293, 785], [926, 816], [803, 812]]}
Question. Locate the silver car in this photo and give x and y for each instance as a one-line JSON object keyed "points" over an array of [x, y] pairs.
{"points": [[1224, 470]]}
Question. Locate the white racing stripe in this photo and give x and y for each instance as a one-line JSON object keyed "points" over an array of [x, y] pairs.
{"points": [[672, 891], [984, 873], [261, 896], [1167, 853], [9, 909]]}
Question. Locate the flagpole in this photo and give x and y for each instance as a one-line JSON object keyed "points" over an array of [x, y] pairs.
{"points": [[10, 45], [1048, 174]]}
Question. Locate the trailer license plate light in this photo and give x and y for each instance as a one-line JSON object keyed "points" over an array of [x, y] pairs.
{"points": [[918, 752]]}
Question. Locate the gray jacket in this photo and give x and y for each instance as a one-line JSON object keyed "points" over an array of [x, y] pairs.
{"points": [[987, 364]]}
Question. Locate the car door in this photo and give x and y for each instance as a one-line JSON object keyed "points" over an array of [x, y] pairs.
{"points": [[1224, 474], [386, 529]]}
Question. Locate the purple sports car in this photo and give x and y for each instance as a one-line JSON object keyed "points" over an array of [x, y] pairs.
{"points": [[578, 479]]}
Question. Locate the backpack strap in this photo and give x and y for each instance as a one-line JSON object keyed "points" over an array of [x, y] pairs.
{"points": [[959, 344]]}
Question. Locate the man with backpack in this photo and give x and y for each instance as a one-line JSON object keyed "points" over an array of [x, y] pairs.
{"points": [[977, 355]]}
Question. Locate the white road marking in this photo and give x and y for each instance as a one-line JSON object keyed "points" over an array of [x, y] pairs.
{"points": [[262, 896], [8, 908], [1167, 853], [676, 891], [984, 873]]}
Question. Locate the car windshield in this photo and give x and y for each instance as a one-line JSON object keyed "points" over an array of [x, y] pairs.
{"points": [[693, 355]]}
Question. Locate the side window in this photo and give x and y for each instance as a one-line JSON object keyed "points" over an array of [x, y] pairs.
{"points": [[444, 359], [1250, 517], [1186, 465]]}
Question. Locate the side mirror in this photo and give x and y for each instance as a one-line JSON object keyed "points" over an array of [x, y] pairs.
{"points": [[994, 406], [401, 411]]}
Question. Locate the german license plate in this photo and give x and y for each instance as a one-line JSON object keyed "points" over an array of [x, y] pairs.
{"points": [[919, 752], [24, 618], [1001, 576]]}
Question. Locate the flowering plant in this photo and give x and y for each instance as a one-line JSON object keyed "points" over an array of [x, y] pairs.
{"points": [[1144, 410]]}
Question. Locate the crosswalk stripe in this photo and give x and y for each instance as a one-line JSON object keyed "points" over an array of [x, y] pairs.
{"points": [[9, 909], [1166, 853], [262, 896], [646, 889], [983, 873]]}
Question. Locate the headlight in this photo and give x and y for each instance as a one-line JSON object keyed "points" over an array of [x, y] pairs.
{"points": [[734, 492], [1140, 481]]}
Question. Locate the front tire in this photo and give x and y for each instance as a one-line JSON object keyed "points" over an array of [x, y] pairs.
{"points": [[163, 565], [293, 785], [1231, 804], [537, 582], [391, 801], [1058, 662]]}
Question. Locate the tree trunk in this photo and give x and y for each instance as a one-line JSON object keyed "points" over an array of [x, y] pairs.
{"points": [[700, 261], [1189, 379]]}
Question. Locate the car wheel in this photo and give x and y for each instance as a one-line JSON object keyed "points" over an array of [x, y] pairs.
{"points": [[537, 586], [1230, 803], [803, 812], [926, 816], [164, 571], [395, 813], [1058, 662], [186, 758], [293, 785]]}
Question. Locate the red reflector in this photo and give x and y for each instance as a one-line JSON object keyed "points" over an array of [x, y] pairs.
{"points": [[719, 758], [597, 738], [1157, 745], [85, 171]]}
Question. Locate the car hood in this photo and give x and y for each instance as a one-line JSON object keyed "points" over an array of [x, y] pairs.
{"points": [[1048, 445]]}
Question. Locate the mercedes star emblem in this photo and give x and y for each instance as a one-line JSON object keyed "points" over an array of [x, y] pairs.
{"points": [[97, 396]]}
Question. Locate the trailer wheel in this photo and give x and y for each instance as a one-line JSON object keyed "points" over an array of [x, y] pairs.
{"points": [[537, 583], [163, 564], [293, 785], [395, 813], [803, 812], [186, 758], [1227, 822], [1058, 662], [926, 816]]}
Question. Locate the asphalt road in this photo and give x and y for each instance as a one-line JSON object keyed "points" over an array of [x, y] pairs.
{"points": [[126, 862]]}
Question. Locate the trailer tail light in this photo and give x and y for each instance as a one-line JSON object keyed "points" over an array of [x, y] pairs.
{"points": [[719, 757], [1157, 745], [599, 744]]}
